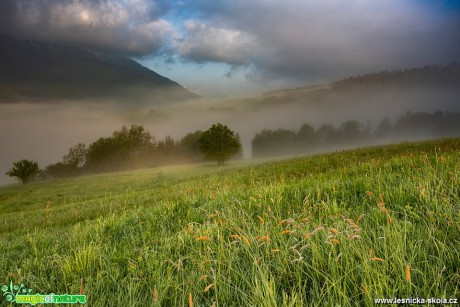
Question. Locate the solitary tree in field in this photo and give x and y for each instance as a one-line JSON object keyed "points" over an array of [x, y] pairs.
{"points": [[25, 170], [219, 143]]}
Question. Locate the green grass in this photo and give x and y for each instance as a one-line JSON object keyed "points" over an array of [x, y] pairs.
{"points": [[279, 233]]}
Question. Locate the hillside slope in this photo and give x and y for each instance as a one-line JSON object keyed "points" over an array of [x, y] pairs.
{"points": [[31, 70], [341, 228]]}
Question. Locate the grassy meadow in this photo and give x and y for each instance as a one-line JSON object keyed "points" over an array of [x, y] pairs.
{"points": [[334, 229]]}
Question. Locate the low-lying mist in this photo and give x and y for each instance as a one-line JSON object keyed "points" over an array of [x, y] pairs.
{"points": [[45, 131]]}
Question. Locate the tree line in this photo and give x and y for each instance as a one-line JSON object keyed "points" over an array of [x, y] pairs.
{"points": [[352, 133], [135, 147]]}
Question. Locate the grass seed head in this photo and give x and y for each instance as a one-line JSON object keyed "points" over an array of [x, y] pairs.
{"points": [[377, 259], [353, 237], [263, 238], [155, 295], [82, 286], [359, 218], [408, 273], [262, 221], [190, 300], [334, 241], [208, 287], [246, 240], [333, 230], [203, 238]]}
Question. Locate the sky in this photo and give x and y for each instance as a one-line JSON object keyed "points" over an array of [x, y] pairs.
{"points": [[238, 48]]}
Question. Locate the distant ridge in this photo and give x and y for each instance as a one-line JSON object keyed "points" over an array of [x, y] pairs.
{"points": [[431, 75], [435, 75], [37, 71]]}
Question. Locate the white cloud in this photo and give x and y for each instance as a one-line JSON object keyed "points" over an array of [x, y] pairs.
{"points": [[205, 43]]}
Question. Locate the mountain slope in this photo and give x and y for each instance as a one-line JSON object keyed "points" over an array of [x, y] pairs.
{"points": [[31, 70]]}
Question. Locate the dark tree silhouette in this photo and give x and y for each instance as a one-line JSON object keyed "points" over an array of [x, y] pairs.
{"points": [[24, 170], [219, 143]]}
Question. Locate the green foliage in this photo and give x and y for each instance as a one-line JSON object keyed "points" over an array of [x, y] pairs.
{"points": [[124, 149], [76, 156], [191, 145], [24, 170], [219, 143]]}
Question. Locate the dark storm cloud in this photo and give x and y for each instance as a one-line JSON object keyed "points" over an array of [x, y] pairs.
{"points": [[133, 27], [323, 39], [304, 40]]}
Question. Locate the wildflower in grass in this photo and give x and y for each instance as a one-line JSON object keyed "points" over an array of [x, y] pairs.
{"points": [[190, 300], [235, 237], [208, 287], [408, 273], [369, 193], [377, 259], [203, 238], [262, 221], [308, 235], [246, 240], [359, 218], [333, 230], [286, 231]]}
